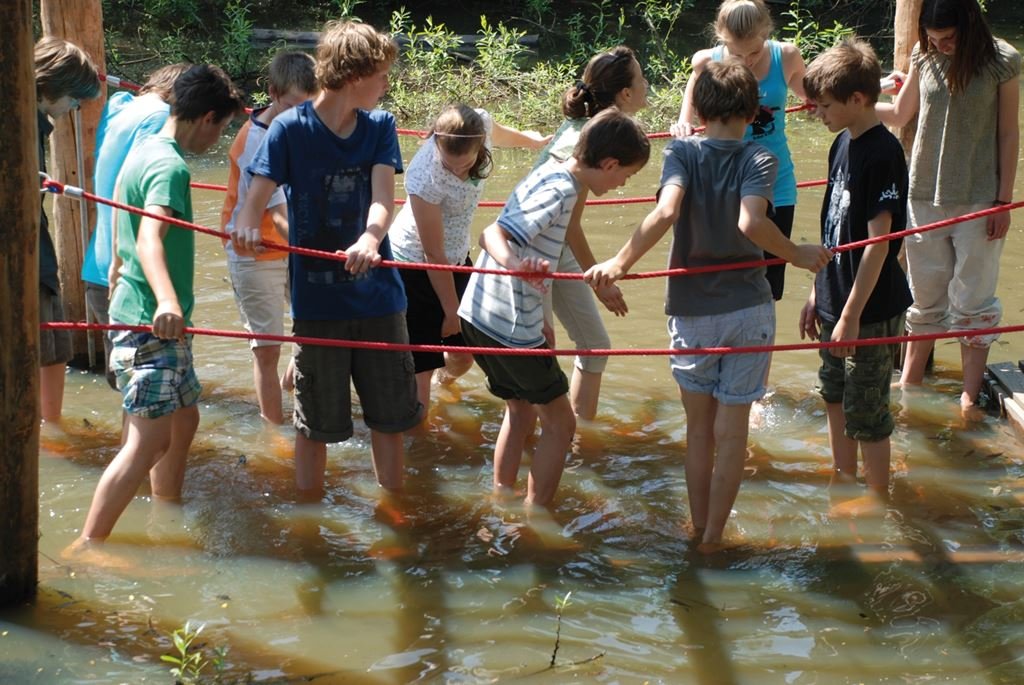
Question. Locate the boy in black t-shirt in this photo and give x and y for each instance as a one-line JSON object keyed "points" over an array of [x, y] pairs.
{"points": [[862, 293]]}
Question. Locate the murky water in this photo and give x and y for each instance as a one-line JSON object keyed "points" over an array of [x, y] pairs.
{"points": [[445, 585]]}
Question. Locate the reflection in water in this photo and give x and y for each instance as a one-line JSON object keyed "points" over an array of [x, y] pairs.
{"points": [[443, 583]]}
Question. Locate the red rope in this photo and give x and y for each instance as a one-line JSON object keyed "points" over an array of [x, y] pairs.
{"points": [[537, 351], [119, 82], [60, 189]]}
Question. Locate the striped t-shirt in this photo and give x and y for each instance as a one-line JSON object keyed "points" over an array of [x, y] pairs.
{"points": [[535, 218]]}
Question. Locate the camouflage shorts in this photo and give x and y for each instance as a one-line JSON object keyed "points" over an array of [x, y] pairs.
{"points": [[861, 382]]}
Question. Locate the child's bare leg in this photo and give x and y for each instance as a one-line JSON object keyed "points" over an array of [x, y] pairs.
{"points": [[731, 427], [51, 391], [388, 458], [268, 388], [557, 426], [517, 425], [973, 360], [310, 464], [288, 377], [916, 361], [423, 379], [146, 440], [584, 392], [456, 364], [876, 465], [844, 449], [700, 453], [168, 474]]}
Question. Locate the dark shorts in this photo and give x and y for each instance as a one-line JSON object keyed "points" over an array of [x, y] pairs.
{"points": [[861, 382], [98, 298], [384, 380], [54, 345], [536, 379], [425, 316], [776, 274]]}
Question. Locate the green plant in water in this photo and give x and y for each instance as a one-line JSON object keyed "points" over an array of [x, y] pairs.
{"points": [[560, 604], [190, 661]]}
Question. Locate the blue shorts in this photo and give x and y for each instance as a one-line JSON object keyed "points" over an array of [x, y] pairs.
{"points": [[729, 378], [156, 377]]}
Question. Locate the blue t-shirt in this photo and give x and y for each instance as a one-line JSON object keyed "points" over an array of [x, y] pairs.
{"points": [[769, 128], [327, 180], [126, 121]]}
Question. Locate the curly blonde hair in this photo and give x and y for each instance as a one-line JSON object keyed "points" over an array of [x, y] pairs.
{"points": [[350, 50]]}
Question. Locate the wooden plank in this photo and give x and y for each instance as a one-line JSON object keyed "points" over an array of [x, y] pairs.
{"points": [[82, 24], [19, 311]]}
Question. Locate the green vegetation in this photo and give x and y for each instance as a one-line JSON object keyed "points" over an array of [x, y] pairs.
{"points": [[190, 661], [515, 84]]}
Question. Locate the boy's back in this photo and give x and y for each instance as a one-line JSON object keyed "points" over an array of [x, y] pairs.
{"points": [[867, 175], [126, 120], [329, 191], [716, 174], [155, 174]]}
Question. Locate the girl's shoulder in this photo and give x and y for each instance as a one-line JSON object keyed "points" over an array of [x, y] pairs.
{"points": [[1008, 61], [789, 50], [702, 58]]}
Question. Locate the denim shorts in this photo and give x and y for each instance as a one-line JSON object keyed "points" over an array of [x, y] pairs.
{"points": [[156, 377], [861, 382], [729, 378]]}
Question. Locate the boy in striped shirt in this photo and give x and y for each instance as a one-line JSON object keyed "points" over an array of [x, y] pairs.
{"points": [[502, 311]]}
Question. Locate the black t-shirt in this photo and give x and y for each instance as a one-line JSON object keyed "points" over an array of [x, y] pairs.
{"points": [[866, 176], [47, 255]]}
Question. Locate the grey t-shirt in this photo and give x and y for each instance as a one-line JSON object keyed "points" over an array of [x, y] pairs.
{"points": [[714, 175], [954, 160]]}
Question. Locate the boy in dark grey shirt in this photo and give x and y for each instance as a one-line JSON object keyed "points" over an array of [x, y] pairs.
{"points": [[716, 191]]}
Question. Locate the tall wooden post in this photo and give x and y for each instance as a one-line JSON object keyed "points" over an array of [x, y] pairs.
{"points": [[82, 24], [19, 311], [906, 34]]}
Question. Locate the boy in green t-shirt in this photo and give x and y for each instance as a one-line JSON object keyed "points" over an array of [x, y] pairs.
{"points": [[151, 278]]}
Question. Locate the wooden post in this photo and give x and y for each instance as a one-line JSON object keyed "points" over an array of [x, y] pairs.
{"points": [[82, 24], [906, 37], [19, 311]]}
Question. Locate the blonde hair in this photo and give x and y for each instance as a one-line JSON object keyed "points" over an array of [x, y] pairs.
{"points": [[63, 68], [742, 20], [350, 50], [460, 129]]}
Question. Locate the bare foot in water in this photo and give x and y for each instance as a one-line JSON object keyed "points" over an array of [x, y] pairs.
{"points": [[969, 409], [92, 553]]}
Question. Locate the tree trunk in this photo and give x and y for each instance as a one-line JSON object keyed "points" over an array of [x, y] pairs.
{"points": [[19, 311], [82, 24], [906, 34]]}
